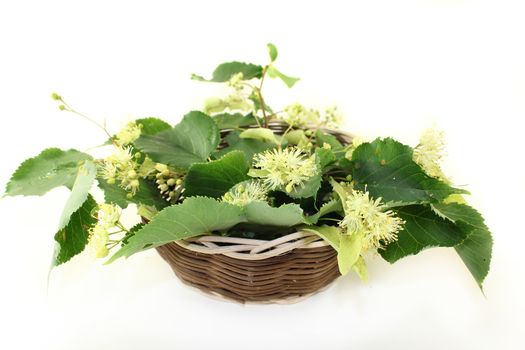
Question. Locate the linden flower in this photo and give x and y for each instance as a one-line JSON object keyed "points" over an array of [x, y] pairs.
{"points": [[332, 117], [364, 214], [245, 193], [237, 100], [108, 215], [121, 166], [98, 240], [284, 168], [298, 115], [128, 134], [429, 152]]}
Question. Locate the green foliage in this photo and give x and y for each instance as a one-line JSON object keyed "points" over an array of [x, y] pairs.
{"points": [[189, 142], [322, 138], [152, 126], [234, 121], [275, 73], [51, 168], [147, 194], [263, 214], [215, 178], [248, 146], [72, 239], [79, 192], [225, 71], [350, 247], [385, 167], [262, 134], [476, 249], [272, 51], [195, 216], [422, 229]]}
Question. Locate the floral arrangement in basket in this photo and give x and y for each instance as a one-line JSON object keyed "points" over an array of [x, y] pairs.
{"points": [[241, 172]]}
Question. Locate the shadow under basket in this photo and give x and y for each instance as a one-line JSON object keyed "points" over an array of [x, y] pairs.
{"points": [[284, 270]]}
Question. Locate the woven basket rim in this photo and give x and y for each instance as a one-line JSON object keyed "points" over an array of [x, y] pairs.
{"points": [[250, 248]]}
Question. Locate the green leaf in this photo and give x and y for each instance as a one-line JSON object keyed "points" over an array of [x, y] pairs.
{"points": [[275, 73], [308, 188], [189, 142], [147, 194], [51, 168], [248, 146], [215, 178], [152, 126], [350, 247], [331, 206], [79, 192], [72, 239], [233, 121], [360, 268], [262, 213], [326, 157], [476, 249], [322, 138], [195, 216], [225, 71], [272, 51], [386, 169], [262, 134], [422, 229], [331, 234]]}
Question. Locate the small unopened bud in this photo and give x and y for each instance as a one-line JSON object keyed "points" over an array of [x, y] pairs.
{"points": [[56, 96], [134, 183], [178, 182], [171, 182], [289, 187], [62, 107], [165, 172], [138, 155], [163, 187], [327, 146], [132, 174], [111, 181]]}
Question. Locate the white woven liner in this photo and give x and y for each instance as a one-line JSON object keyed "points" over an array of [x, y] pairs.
{"points": [[252, 249]]}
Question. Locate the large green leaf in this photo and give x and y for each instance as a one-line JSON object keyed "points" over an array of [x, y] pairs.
{"points": [[262, 213], [386, 169], [152, 126], [189, 142], [233, 121], [224, 72], [422, 229], [215, 178], [72, 239], [147, 194], [79, 192], [51, 168], [350, 247], [194, 217], [476, 249]]}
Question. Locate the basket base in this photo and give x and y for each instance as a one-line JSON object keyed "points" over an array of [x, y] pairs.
{"points": [[286, 278]]}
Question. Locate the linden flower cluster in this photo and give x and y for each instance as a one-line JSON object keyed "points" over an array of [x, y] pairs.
{"points": [[128, 134], [168, 182], [108, 217], [366, 215], [300, 116], [121, 166], [245, 193], [429, 152], [237, 100], [285, 168]]}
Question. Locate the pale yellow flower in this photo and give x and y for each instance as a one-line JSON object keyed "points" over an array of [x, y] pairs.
{"points": [[128, 134], [285, 168], [429, 153], [370, 217], [246, 192], [300, 116], [108, 215], [98, 240]]}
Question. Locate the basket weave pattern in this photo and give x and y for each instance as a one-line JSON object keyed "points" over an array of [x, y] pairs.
{"points": [[257, 271], [282, 270]]}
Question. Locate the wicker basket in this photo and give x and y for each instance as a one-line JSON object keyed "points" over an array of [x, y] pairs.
{"points": [[283, 270]]}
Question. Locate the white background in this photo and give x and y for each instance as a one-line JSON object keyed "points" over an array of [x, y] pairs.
{"points": [[393, 67]]}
